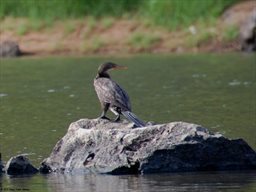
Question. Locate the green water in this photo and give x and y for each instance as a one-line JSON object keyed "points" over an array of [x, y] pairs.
{"points": [[40, 97], [176, 182]]}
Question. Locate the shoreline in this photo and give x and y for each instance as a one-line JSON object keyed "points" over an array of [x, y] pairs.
{"points": [[121, 36], [123, 55]]}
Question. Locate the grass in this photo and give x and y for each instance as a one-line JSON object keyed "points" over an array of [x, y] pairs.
{"points": [[7, 25], [22, 29], [23, 26], [36, 25], [107, 22], [69, 9], [200, 38], [143, 41], [97, 44], [91, 24], [58, 46], [201, 33], [69, 28], [168, 13], [230, 33], [94, 18], [176, 13], [93, 45]]}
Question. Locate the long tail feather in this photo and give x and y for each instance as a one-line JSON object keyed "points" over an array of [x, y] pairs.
{"points": [[132, 117]]}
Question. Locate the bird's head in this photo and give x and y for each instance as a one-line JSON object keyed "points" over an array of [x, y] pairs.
{"points": [[103, 68]]}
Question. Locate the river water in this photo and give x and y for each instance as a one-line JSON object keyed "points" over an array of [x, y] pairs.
{"points": [[40, 97]]}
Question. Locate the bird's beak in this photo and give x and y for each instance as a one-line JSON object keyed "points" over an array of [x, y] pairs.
{"points": [[120, 67]]}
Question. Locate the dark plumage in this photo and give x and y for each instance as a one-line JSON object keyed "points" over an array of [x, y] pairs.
{"points": [[112, 96]]}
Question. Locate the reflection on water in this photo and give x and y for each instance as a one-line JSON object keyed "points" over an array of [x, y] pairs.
{"points": [[39, 98], [178, 182]]}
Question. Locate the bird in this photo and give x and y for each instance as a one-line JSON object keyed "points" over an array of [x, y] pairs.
{"points": [[112, 96]]}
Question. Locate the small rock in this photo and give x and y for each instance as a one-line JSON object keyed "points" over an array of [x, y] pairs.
{"points": [[9, 49], [44, 169], [19, 165]]}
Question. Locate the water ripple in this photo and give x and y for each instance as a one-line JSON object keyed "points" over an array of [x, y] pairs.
{"points": [[234, 83], [3, 94], [51, 90]]}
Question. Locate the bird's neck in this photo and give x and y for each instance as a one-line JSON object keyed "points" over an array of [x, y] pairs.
{"points": [[102, 75]]}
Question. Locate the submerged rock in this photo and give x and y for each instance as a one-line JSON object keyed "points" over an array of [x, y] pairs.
{"points": [[9, 49], [19, 165], [105, 147]]}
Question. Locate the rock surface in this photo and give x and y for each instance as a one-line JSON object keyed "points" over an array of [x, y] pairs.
{"points": [[9, 49], [104, 147], [243, 16], [248, 33], [19, 165]]}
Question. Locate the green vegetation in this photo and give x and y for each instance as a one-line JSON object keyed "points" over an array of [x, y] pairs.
{"points": [[22, 29], [141, 25], [230, 33], [97, 44], [200, 38], [107, 22], [143, 41], [91, 24], [69, 28], [93, 45], [170, 13], [175, 13], [23, 26], [60, 9], [36, 25]]}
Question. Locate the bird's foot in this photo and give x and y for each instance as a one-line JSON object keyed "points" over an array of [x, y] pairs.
{"points": [[104, 117], [134, 126]]}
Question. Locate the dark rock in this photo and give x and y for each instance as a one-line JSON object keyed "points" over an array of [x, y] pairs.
{"points": [[1, 165], [248, 33], [19, 165], [44, 169], [105, 147], [9, 49]]}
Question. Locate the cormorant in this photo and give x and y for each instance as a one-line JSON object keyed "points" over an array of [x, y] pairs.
{"points": [[112, 96]]}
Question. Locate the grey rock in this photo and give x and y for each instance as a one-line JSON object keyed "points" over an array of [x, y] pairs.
{"points": [[248, 33], [19, 165], [9, 49], [101, 146]]}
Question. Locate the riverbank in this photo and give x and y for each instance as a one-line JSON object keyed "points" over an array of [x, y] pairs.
{"points": [[111, 35]]}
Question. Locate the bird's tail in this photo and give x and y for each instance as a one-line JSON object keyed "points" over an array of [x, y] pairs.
{"points": [[132, 117]]}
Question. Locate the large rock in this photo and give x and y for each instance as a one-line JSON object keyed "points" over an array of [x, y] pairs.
{"points": [[248, 33], [104, 147], [243, 16], [19, 165], [9, 49]]}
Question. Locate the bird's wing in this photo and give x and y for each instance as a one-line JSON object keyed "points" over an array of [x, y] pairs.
{"points": [[109, 91]]}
